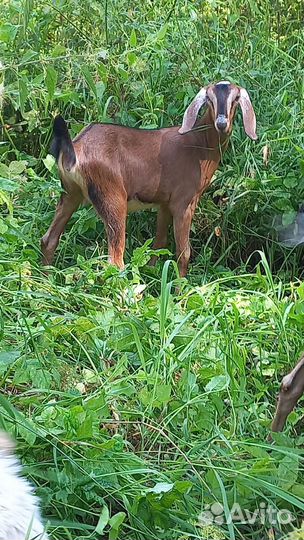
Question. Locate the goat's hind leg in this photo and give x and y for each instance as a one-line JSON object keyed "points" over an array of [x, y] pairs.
{"points": [[182, 219], [67, 205], [111, 206], [164, 219]]}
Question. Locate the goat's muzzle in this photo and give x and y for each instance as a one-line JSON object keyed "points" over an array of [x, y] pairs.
{"points": [[221, 123]]}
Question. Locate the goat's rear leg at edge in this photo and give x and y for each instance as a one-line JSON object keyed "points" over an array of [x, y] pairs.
{"points": [[292, 388], [164, 219], [68, 204]]}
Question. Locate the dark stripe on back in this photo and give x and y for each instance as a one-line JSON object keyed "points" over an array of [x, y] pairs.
{"points": [[84, 131]]}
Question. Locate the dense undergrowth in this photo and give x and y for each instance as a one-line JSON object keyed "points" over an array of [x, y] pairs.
{"points": [[137, 408]]}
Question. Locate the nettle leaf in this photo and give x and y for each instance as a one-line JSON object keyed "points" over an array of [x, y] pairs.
{"points": [[50, 81], [288, 471], [17, 167]]}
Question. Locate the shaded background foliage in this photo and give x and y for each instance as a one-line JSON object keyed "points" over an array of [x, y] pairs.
{"points": [[135, 409]]}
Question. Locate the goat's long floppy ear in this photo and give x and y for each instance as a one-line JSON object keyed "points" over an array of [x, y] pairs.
{"points": [[248, 113], [191, 112]]}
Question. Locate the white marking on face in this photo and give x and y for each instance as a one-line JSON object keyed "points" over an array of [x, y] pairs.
{"points": [[223, 82], [221, 118]]}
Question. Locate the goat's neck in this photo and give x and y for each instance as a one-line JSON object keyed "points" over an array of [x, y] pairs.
{"points": [[209, 139]]}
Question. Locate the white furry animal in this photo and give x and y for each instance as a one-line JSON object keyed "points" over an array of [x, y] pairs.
{"points": [[19, 512]]}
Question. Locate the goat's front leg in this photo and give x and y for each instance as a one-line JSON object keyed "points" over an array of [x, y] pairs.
{"points": [[111, 205], [164, 219], [182, 220], [67, 205], [292, 388]]}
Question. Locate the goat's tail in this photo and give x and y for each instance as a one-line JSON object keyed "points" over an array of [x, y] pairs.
{"points": [[62, 142]]}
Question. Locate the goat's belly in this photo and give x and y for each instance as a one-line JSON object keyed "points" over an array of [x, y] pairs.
{"points": [[135, 205]]}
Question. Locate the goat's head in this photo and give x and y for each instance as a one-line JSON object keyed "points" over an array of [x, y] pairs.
{"points": [[222, 99]]}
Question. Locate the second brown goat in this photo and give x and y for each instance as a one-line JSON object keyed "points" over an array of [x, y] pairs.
{"points": [[121, 169]]}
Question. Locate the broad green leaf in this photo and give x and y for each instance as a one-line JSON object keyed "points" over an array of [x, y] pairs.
{"points": [[218, 383], [288, 471], [50, 81], [161, 487], [163, 393], [183, 485], [161, 33], [100, 90], [132, 58], [89, 79], [133, 38], [103, 520], [288, 218], [298, 490], [85, 430], [58, 50], [117, 520], [8, 32], [4, 170], [290, 181], [8, 185], [24, 425], [17, 167], [8, 357], [98, 404], [28, 55], [49, 162], [23, 93]]}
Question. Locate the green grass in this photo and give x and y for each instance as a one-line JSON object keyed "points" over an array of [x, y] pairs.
{"points": [[135, 407]]}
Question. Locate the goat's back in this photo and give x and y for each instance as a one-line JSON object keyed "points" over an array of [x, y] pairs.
{"points": [[151, 164]]}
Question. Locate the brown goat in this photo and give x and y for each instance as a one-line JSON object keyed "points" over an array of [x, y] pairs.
{"points": [[121, 169], [292, 388]]}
